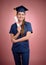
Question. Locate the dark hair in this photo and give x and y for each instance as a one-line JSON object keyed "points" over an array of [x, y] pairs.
{"points": [[22, 27]]}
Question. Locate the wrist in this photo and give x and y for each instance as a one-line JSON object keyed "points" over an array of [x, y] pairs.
{"points": [[18, 32]]}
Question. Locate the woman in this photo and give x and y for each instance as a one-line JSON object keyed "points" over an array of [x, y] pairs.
{"points": [[20, 37]]}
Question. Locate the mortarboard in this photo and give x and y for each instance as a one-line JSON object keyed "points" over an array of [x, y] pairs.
{"points": [[21, 9]]}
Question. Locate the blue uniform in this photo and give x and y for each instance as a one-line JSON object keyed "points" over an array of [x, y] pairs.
{"points": [[21, 48]]}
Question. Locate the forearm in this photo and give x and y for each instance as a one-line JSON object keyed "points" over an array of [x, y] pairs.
{"points": [[22, 39], [15, 37]]}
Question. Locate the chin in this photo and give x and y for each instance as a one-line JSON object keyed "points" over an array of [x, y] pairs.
{"points": [[20, 19]]}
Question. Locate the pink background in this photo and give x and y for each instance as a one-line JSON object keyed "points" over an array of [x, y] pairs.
{"points": [[35, 15]]}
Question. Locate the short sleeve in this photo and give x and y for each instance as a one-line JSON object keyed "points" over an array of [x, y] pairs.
{"points": [[29, 27], [12, 29]]}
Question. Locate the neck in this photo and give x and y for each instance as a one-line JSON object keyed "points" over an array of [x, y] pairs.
{"points": [[20, 22]]}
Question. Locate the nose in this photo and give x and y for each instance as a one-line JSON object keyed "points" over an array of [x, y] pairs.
{"points": [[20, 15]]}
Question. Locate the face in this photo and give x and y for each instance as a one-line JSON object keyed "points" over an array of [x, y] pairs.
{"points": [[21, 16]]}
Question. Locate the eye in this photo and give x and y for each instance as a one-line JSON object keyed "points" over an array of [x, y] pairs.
{"points": [[19, 14], [22, 14]]}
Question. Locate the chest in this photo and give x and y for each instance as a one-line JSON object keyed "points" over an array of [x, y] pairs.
{"points": [[25, 30]]}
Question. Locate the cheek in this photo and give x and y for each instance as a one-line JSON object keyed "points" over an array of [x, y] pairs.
{"points": [[21, 16], [18, 16]]}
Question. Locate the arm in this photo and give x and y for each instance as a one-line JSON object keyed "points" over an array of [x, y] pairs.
{"points": [[14, 36], [23, 38]]}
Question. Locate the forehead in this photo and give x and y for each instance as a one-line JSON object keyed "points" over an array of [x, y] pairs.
{"points": [[21, 12]]}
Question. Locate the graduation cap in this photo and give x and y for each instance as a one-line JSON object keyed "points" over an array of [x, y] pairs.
{"points": [[21, 9]]}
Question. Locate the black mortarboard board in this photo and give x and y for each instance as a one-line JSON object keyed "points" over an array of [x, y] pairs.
{"points": [[21, 9]]}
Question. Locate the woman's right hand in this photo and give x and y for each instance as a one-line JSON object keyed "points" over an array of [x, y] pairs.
{"points": [[19, 29]]}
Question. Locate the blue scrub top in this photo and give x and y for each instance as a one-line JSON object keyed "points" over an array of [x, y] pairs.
{"points": [[24, 45]]}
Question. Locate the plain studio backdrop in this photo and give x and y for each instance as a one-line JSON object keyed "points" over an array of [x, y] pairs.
{"points": [[35, 15]]}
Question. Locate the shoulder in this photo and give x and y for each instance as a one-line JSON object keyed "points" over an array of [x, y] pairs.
{"points": [[27, 23], [13, 25]]}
